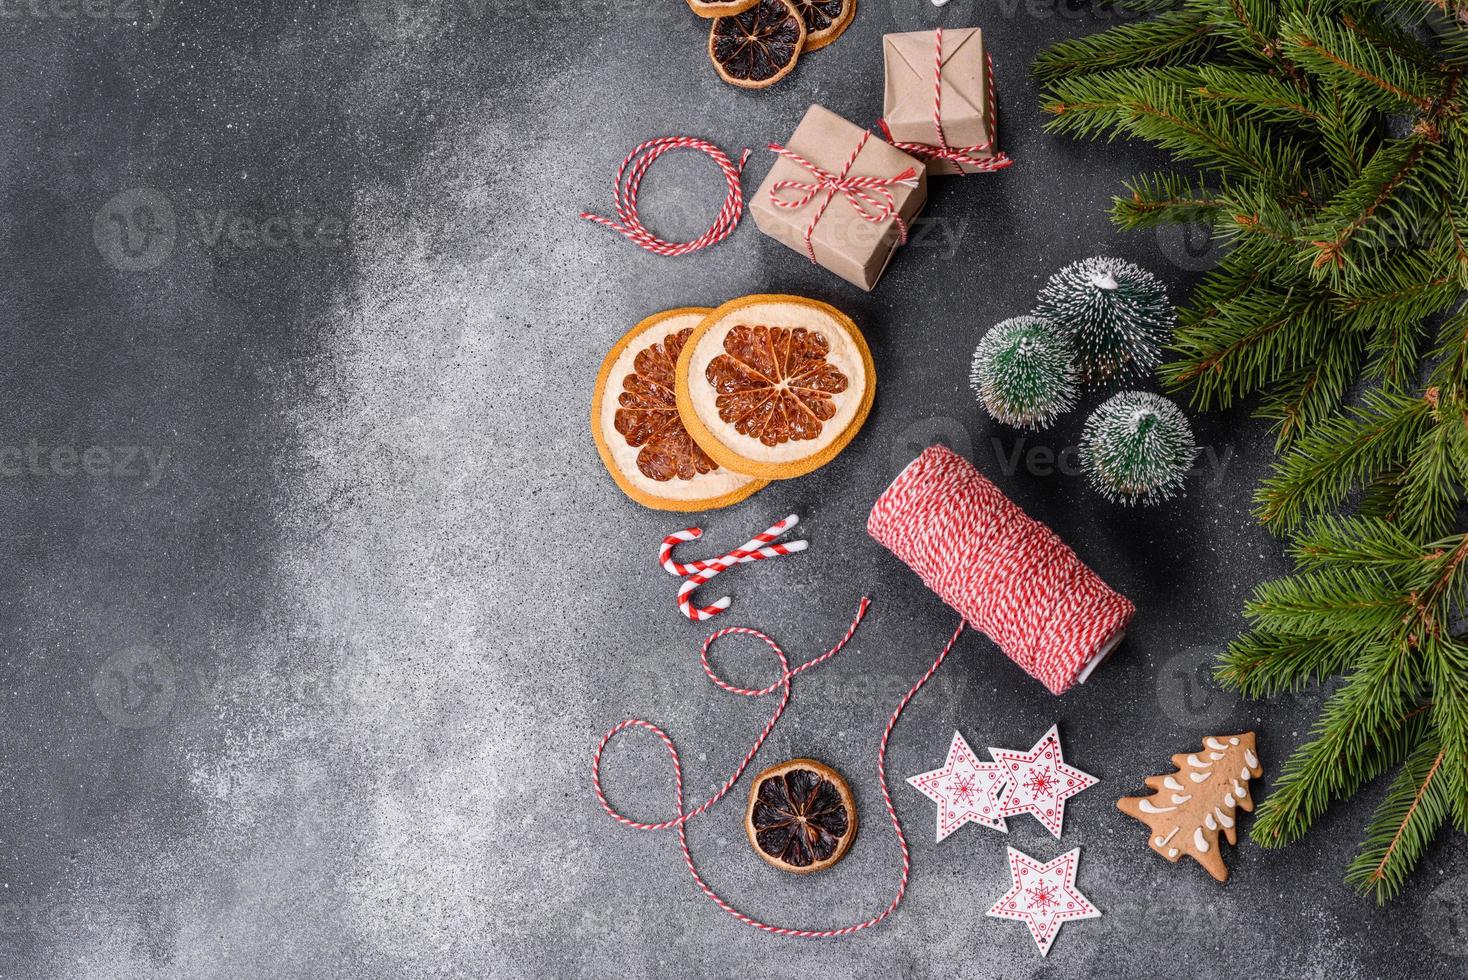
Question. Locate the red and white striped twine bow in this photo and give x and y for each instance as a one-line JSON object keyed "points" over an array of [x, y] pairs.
{"points": [[955, 154], [629, 179], [781, 684], [756, 548], [869, 197]]}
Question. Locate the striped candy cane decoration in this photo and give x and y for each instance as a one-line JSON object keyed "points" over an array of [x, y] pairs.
{"points": [[781, 684], [629, 179], [756, 548]]}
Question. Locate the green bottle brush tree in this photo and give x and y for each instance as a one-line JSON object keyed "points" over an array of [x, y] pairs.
{"points": [[1022, 373], [1137, 448], [1326, 144]]}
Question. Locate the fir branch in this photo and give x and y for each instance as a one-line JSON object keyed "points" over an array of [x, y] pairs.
{"points": [[1362, 714], [1331, 138], [1160, 198], [1250, 92], [1149, 105], [1390, 302], [1246, 342], [1340, 454], [1448, 658], [1345, 132], [1452, 354], [1356, 542], [1261, 664], [1330, 601], [1428, 500], [1414, 810], [1171, 37], [1332, 51], [1307, 397], [1374, 214]]}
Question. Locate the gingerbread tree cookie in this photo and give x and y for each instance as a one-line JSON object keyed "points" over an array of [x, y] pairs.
{"points": [[1189, 808]]}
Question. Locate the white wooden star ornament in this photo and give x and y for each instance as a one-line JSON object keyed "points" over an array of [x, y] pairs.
{"points": [[965, 789], [1040, 782], [1043, 896]]}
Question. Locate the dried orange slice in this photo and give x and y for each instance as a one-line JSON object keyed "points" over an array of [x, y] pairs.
{"points": [[757, 48], [637, 429], [720, 8], [775, 386], [801, 816], [825, 20]]}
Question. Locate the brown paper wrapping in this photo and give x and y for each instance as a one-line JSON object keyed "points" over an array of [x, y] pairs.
{"points": [[844, 242], [907, 103]]}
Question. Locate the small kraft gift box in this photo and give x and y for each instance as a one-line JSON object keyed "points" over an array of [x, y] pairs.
{"points": [[840, 196], [939, 100]]}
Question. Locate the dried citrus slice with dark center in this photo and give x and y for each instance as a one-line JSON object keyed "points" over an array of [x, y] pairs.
{"points": [[639, 432], [801, 817], [647, 415], [720, 8], [825, 20], [757, 48], [774, 386]]}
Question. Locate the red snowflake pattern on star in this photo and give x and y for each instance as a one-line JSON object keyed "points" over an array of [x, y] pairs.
{"points": [[1043, 896], [965, 789], [1040, 781]]}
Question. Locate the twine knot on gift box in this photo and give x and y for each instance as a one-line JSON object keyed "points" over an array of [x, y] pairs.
{"points": [[869, 197], [976, 157]]}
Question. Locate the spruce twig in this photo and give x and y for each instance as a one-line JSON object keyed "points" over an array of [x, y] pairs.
{"points": [[1331, 147]]}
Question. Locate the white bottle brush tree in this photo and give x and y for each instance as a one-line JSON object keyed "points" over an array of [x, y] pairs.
{"points": [[1116, 314]]}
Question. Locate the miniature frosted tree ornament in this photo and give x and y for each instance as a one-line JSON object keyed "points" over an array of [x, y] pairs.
{"points": [[1116, 314], [1137, 448], [1023, 374]]}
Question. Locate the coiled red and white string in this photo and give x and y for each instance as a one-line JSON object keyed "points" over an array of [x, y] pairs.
{"points": [[781, 684], [756, 548], [1005, 573], [629, 179]]}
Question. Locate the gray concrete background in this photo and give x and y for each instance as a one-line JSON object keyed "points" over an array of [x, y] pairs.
{"points": [[317, 597]]}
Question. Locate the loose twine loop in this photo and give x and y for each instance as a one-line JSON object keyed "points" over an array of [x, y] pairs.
{"points": [[629, 178], [782, 685]]}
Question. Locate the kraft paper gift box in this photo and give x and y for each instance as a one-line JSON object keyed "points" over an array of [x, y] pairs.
{"points": [[968, 105], [841, 239]]}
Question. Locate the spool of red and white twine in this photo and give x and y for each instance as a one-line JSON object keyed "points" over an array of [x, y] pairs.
{"points": [[1005, 573]]}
